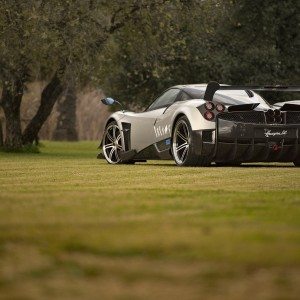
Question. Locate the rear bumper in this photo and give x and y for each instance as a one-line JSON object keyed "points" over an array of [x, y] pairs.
{"points": [[256, 142], [245, 142]]}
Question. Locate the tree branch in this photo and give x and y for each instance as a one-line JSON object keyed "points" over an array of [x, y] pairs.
{"points": [[118, 25], [136, 7]]}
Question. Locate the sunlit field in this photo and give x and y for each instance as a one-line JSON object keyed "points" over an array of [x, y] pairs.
{"points": [[74, 227]]}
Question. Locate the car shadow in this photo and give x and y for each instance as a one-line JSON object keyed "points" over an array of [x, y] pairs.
{"points": [[243, 166], [261, 166]]}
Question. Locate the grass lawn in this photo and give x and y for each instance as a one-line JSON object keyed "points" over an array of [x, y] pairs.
{"points": [[74, 227]]}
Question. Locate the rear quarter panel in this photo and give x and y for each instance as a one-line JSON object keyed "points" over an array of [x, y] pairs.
{"points": [[190, 110]]}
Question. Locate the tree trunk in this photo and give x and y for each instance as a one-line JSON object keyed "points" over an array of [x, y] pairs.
{"points": [[11, 101], [49, 96], [1, 134], [66, 122]]}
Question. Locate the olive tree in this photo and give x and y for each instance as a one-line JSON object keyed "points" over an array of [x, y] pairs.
{"points": [[53, 40]]}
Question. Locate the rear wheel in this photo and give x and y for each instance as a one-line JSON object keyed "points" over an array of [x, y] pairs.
{"points": [[183, 145], [112, 143]]}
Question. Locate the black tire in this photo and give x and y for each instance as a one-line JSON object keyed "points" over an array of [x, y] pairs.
{"points": [[184, 154], [111, 143], [104, 154]]}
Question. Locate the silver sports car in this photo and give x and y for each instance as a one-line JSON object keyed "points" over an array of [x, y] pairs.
{"points": [[203, 123]]}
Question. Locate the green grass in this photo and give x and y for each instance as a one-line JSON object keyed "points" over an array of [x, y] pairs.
{"points": [[74, 227]]}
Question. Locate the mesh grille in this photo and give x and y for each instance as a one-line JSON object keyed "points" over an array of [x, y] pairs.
{"points": [[293, 117], [255, 117], [207, 136]]}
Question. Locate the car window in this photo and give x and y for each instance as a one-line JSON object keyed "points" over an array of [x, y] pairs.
{"points": [[165, 99], [183, 96]]}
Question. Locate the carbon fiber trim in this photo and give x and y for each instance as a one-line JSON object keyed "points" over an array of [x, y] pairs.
{"points": [[250, 142], [254, 117], [293, 117]]}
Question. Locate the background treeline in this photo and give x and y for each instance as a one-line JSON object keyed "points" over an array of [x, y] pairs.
{"points": [[135, 49]]}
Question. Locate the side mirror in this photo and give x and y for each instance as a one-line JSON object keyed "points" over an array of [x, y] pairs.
{"points": [[111, 101], [108, 101]]}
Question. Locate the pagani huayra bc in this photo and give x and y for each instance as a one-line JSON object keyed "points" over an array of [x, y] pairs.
{"points": [[199, 124]]}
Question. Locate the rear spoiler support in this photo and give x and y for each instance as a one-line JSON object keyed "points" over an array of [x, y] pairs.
{"points": [[213, 87]]}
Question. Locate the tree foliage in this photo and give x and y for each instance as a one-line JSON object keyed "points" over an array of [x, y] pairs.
{"points": [[54, 40], [233, 42], [137, 48]]}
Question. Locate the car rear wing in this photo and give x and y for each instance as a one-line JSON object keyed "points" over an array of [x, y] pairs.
{"points": [[213, 86]]}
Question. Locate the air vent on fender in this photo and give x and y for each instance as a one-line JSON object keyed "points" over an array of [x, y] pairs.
{"points": [[126, 133], [242, 107]]}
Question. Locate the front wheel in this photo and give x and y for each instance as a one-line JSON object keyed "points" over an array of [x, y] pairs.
{"points": [[183, 145], [112, 143]]}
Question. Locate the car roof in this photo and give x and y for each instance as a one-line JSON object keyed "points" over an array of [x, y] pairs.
{"points": [[194, 90], [196, 86], [193, 86], [197, 91]]}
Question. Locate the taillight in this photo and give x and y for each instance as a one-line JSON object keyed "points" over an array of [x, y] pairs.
{"points": [[209, 115], [209, 105], [270, 113], [220, 107], [274, 116], [277, 113], [278, 119]]}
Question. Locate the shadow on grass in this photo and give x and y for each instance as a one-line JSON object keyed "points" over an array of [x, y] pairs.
{"points": [[264, 166], [69, 155], [254, 165]]}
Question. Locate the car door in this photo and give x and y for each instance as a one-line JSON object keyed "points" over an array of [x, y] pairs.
{"points": [[143, 130]]}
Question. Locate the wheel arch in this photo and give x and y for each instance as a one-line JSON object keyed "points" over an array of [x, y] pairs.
{"points": [[177, 117], [110, 120]]}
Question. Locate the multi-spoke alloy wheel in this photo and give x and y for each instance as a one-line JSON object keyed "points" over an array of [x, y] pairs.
{"points": [[181, 141], [112, 143], [184, 145]]}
